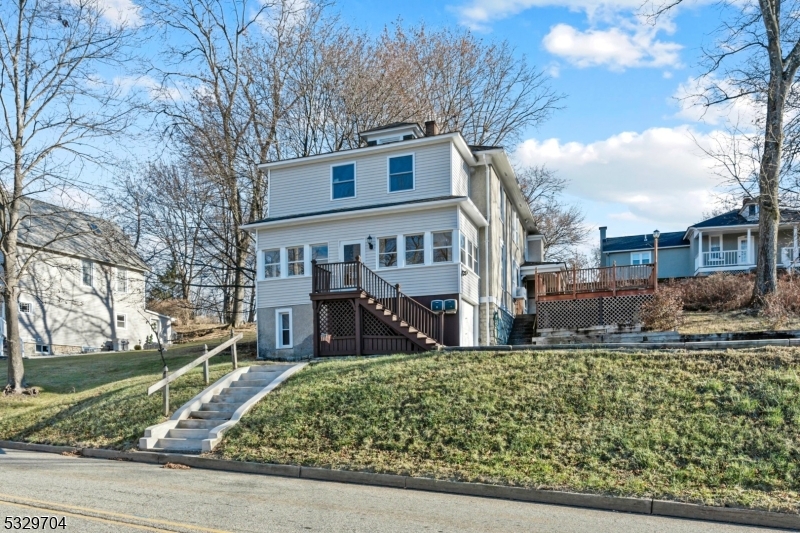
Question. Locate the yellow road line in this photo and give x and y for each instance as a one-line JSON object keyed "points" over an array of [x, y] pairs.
{"points": [[79, 511]]}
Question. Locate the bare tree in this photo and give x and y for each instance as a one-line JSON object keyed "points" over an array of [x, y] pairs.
{"points": [[561, 224], [55, 105], [757, 57]]}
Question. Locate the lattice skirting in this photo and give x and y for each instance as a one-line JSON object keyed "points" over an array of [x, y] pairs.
{"points": [[575, 314]]}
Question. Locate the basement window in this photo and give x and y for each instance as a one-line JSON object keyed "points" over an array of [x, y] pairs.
{"points": [[283, 327], [43, 349]]}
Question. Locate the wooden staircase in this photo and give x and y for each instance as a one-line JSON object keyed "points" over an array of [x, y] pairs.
{"points": [[356, 312], [398, 325]]}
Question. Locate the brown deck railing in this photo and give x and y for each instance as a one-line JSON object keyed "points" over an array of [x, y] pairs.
{"points": [[355, 276], [581, 282]]}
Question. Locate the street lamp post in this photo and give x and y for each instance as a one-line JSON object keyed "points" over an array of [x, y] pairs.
{"points": [[656, 235]]}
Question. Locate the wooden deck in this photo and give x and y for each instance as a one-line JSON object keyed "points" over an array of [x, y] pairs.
{"points": [[604, 282]]}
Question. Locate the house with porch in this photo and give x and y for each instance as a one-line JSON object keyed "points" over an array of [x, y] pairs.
{"points": [[723, 243], [411, 241]]}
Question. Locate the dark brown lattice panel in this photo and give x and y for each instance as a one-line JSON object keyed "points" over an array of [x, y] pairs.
{"points": [[589, 312], [372, 326], [337, 318]]}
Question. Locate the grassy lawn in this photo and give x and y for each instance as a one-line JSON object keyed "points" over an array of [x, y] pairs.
{"points": [[728, 321], [100, 399], [719, 428]]}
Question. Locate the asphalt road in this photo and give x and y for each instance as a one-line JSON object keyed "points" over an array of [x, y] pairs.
{"points": [[115, 496]]}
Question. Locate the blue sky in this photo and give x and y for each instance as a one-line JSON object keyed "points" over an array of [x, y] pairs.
{"points": [[627, 145]]}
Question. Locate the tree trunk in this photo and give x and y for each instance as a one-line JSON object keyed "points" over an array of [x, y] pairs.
{"points": [[16, 369], [768, 179], [242, 253]]}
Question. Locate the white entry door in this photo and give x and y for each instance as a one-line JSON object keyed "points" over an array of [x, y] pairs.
{"points": [[467, 324], [742, 259]]}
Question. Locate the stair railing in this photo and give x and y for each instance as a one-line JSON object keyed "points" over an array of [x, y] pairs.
{"points": [[356, 276], [168, 378]]}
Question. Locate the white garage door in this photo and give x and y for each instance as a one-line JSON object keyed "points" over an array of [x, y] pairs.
{"points": [[467, 323]]}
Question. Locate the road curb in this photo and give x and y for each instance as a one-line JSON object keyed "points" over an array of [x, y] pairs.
{"points": [[645, 506]]}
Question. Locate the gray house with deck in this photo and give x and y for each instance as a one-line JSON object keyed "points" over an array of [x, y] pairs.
{"points": [[724, 243]]}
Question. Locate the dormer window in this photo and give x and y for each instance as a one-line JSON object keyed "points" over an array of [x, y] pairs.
{"points": [[391, 133], [752, 210]]}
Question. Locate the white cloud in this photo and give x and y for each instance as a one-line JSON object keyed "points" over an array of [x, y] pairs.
{"points": [[119, 11], [691, 102], [155, 90], [657, 177], [479, 14], [615, 48]]}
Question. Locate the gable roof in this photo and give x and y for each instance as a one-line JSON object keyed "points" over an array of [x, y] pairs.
{"points": [[638, 242], [734, 218], [61, 230]]}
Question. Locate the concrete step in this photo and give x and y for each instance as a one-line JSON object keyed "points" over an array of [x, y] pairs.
{"points": [[260, 383], [239, 391], [220, 406], [230, 397], [188, 433], [198, 424], [263, 368], [256, 376], [184, 445], [219, 416]]}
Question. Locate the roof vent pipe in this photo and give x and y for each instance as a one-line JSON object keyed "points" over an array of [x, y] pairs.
{"points": [[431, 128]]}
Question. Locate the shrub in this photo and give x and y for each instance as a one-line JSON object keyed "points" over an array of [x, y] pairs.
{"points": [[137, 347], [774, 311], [717, 292], [665, 311], [181, 311]]}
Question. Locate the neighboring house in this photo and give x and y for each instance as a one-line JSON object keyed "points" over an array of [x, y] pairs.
{"points": [[444, 220], [84, 287], [722, 243]]}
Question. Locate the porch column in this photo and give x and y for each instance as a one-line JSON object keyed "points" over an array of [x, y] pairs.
{"points": [[749, 248], [794, 244], [699, 249]]}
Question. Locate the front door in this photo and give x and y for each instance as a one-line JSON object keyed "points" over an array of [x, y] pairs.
{"points": [[467, 324], [742, 256], [349, 251]]}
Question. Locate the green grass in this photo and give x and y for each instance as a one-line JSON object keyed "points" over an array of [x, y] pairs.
{"points": [[728, 321], [719, 428], [100, 399]]}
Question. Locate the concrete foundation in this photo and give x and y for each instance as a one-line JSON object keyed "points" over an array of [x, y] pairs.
{"points": [[302, 334]]}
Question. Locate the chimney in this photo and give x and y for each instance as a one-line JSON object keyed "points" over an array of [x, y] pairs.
{"points": [[602, 236], [431, 129]]}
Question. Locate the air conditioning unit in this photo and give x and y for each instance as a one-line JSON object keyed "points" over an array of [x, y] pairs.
{"points": [[520, 293]]}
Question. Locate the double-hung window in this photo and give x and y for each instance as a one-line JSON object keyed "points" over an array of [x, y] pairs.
{"points": [[87, 269], [24, 307], [343, 181], [319, 253], [415, 249], [122, 321], [272, 263], [122, 280], [469, 253], [442, 246], [640, 258], [295, 261], [283, 327], [401, 173], [387, 252]]}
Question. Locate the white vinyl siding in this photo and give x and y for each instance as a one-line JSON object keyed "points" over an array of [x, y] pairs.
{"points": [[438, 278], [460, 172], [307, 188]]}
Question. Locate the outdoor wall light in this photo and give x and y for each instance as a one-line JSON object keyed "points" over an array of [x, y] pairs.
{"points": [[370, 242]]}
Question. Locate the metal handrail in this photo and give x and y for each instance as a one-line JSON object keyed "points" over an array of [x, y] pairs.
{"points": [[356, 276], [203, 359]]}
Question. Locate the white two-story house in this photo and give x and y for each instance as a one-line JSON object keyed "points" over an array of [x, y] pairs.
{"points": [[83, 285], [359, 243]]}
